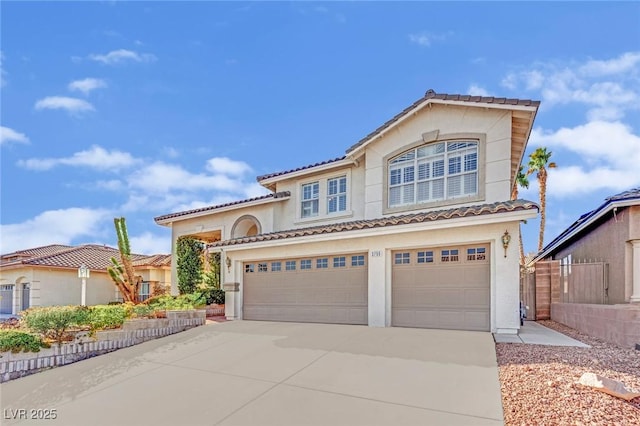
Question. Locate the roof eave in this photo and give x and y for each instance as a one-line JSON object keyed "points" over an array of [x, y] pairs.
{"points": [[604, 209], [270, 183], [168, 221], [360, 146]]}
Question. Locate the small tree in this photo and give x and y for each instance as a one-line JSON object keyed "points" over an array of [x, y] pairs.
{"points": [[122, 273], [212, 276], [521, 181], [189, 266], [538, 164]]}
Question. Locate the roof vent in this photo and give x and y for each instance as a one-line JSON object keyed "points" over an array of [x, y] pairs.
{"points": [[430, 93]]}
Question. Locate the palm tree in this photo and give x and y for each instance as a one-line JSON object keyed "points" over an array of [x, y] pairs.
{"points": [[538, 164], [523, 181]]}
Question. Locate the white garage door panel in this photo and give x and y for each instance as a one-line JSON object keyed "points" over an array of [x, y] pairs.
{"points": [[445, 292], [327, 295]]}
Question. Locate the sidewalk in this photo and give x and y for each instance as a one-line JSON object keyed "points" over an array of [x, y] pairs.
{"points": [[535, 334]]}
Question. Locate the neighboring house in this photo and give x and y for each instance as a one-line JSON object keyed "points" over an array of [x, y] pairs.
{"points": [[406, 229], [46, 276], [609, 234]]}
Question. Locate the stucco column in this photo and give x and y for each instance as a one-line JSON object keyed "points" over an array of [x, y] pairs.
{"points": [[231, 287], [635, 271], [377, 289], [505, 284]]}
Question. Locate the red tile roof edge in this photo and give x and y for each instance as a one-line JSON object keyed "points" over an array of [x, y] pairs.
{"points": [[477, 210]]}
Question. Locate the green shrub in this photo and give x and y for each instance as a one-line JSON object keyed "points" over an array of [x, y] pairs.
{"points": [[177, 303], [108, 316], [213, 295], [20, 341], [53, 322], [143, 311]]}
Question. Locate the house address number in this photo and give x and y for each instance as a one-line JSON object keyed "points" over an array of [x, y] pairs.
{"points": [[376, 253]]}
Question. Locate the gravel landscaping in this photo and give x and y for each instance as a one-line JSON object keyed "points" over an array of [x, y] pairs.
{"points": [[539, 383]]}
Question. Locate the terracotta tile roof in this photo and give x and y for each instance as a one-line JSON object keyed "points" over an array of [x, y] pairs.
{"points": [[275, 195], [322, 163], [431, 94], [478, 210], [38, 251], [156, 260], [96, 257]]}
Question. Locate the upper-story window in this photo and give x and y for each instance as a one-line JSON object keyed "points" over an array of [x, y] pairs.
{"points": [[310, 199], [337, 194], [434, 172]]}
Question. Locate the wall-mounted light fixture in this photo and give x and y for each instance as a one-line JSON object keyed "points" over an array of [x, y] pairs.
{"points": [[228, 262], [506, 239]]}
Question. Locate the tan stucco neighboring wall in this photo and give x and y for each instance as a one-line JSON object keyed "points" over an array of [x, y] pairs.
{"points": [[51, 287], [608, 242], [445, 119]]}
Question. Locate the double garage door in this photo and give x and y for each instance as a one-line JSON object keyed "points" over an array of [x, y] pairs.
{"points": [[442, 287], [328, 289]]}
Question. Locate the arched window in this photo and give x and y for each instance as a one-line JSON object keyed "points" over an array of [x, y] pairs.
{"points": [[434, 172]]}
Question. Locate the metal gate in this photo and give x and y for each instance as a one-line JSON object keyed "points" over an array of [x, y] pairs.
{"points": [[26, 293], [6, 299]]}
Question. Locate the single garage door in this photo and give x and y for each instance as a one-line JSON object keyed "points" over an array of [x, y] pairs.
{"points": [[443, 287], [6, 299], [326, 289]]}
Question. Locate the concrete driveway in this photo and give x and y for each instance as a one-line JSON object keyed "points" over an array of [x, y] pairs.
{"points": [[268, 373]]}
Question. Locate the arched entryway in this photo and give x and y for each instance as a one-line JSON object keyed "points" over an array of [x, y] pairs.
{"points": [[246, 226]]}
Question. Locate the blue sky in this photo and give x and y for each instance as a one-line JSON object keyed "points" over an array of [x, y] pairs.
{"points": [[140, 109]]}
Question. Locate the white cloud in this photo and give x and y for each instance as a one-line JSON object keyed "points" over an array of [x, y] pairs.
{"points": [[87, 85], [161, 177], [148, 243], [608, 88], [227, 166], [122, 55], [53, 227], [96, 157], [623, 64], [8, 135], [609, 152], [426, 39], [71, 105], [476, 90], [109, 185]]}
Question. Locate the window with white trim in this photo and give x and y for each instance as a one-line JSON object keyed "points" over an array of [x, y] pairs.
{"points": [[322, 263], [425, 257], [276, 266], [402, 258], [339, 262], [248, 268], [305, 264], [310, 199], [290, 265], [145, 291], [357, 260], [434, 172], [449, 255], [262, 267], [337, 194]]}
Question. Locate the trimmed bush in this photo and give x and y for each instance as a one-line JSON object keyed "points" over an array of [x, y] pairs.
{"points": [[108, 316], [20, 341], [213, 295], [54, 322]]}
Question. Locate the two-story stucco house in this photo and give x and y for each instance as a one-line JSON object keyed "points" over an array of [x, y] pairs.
{"points": [[406, 229]]}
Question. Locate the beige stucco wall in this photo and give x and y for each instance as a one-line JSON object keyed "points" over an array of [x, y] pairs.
{"points": [[288, 215], [446, 119], [504, 271]]}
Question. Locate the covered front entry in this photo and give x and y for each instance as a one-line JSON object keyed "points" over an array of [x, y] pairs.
{"points": [[324, 289], [6, 299], [442, 287]]}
